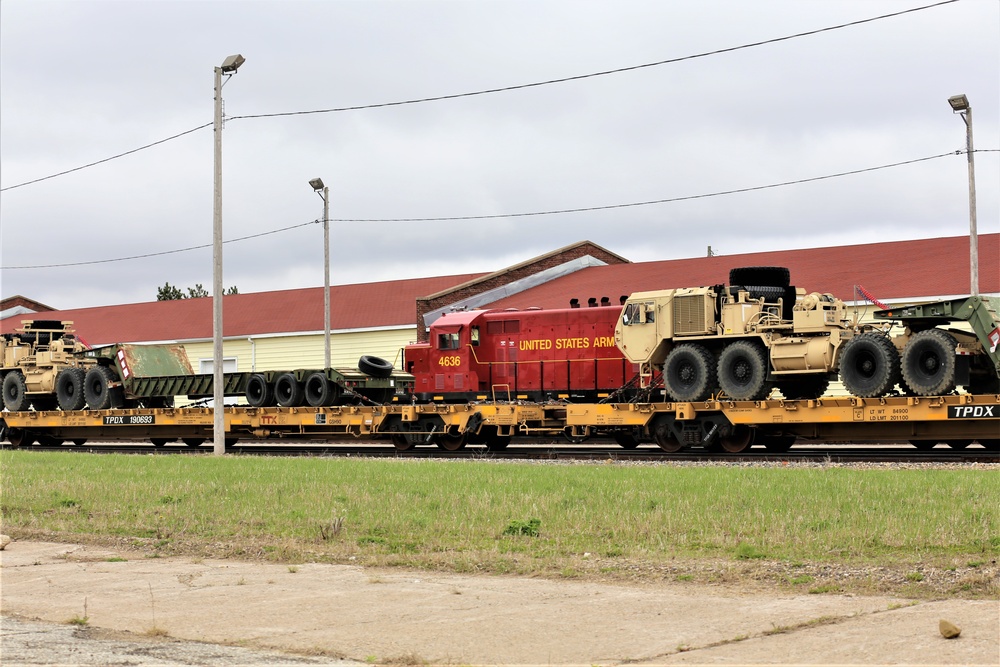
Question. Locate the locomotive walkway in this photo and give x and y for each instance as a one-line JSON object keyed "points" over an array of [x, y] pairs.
{"points": [[182, 611]]}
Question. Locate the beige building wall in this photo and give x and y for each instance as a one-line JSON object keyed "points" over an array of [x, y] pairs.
{"points": [[293, 351]]}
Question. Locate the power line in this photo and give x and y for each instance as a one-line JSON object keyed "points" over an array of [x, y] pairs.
{"points": [[108, 159], [496, 90], [652, 201], [595, 74], [510, 215]]}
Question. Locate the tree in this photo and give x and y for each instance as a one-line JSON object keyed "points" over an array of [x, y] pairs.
{"points": [[170, 293]]}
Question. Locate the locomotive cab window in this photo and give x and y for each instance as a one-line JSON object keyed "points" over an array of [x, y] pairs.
{"points": [[448, 341], [474, 336]]}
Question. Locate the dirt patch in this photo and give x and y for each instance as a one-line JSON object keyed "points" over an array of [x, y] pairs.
{"points": [[328, 612]]}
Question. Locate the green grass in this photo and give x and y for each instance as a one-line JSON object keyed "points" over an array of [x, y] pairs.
{"points": [[472, 516]]}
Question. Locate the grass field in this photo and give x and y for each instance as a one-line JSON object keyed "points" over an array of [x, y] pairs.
{"points": [[474, 516]]}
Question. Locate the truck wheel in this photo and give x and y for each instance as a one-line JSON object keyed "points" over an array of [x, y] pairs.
{"points": [[69, 389], [288, 391], [259, 393], [15, 392], [375, 367], [869, 365], [805, 387], [775, 276], [96, 391], [928, 363], [742, 371], [689, 373], [319, 390]]}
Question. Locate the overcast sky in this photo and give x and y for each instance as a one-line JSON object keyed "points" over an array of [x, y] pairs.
{"points": [[84, 80]]}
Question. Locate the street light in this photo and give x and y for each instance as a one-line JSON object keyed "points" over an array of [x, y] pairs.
{"points": [[317, 185], [960, 105], [229, 67]]}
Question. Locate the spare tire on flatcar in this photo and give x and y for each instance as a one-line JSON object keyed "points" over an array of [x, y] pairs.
{"points": [[374, 366], [773, 276]]}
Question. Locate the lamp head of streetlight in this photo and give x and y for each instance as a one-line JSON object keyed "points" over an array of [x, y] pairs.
{"points": [[232, 63], [317, 184], [959, 103]]}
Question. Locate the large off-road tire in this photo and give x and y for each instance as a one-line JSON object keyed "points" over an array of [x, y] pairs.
{"points": [[96, 391], [15, 392], [869, 365], [319, 390], [804, 387], [775, 276], [374, 366], [928, 363], [259, 393], [689, 373], [742, 371], [288, 391], [69, 389]]}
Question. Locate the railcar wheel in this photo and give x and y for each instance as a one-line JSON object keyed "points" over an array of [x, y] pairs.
{"points": [[18, 437], [804, 388], [288, 391], [451, 442], [626, 440], [735, 439], [69, 388], [259, 393], [193, 442], [79, 442], [689, 373], [319, 391], [496, 443], [869, 365], [776, 444], [958, 444], [96, 391], [401, 442], [742, 371], [15, 392], [375, 367], [159, 442], [991, 445], [928, 363], [665, 439]]}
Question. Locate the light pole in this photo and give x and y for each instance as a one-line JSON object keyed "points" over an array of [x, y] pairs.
{"points": [[960, 105], [317, 185], [229, 67]]}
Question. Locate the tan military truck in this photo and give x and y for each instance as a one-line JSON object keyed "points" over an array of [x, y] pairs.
{"points": [[743, 340], [42, 367]]}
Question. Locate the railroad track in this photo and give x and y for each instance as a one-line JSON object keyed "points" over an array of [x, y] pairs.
{"points": [[554, 451]]}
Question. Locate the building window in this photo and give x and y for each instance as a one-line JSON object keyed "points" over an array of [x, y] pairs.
{"points": [[207, 366]]}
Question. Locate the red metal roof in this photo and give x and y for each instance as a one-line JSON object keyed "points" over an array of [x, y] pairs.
{"points": [[360, 306], [894, 270]]}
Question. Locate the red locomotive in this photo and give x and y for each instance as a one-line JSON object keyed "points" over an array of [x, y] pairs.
{"points": [[532, 354]]}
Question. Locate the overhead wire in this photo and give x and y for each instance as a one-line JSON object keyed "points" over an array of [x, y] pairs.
{"points": [[618, 70], [510, 215], [496, 90]]}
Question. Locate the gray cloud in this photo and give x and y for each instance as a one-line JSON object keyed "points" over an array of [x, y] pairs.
{"points": [[85, 80]]}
